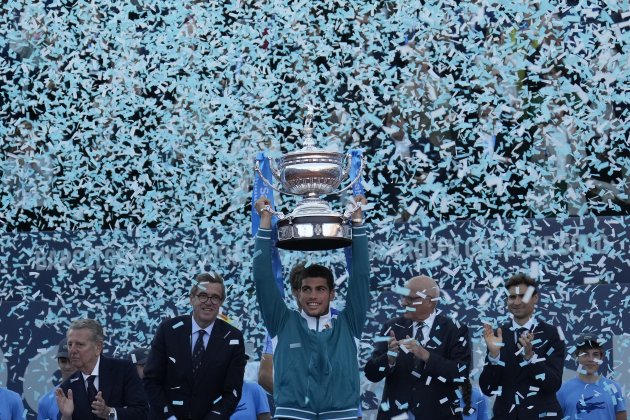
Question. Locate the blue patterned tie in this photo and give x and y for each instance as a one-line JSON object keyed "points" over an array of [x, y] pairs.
{"points": [[197, 356]]}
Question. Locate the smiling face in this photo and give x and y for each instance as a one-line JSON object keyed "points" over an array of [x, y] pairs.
{"points": [[83, 349], [315, 296], [206, 312], [521, 310], [590, 359]]}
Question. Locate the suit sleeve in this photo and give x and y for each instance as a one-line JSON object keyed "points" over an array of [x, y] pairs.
{"points": [[359, 284], [155, 375], [455, 362], [274, 310], [377, 366], [224, 406], [135, 406], [492, 375], [547, 373]]}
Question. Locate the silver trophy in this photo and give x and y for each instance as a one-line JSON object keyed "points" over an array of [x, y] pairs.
{"points": [[311, 172]]}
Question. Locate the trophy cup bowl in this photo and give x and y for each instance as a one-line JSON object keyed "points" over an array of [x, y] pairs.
{"points": [[309, 173]]}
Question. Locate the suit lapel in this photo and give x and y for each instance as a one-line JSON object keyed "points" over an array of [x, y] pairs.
{"points": [[82, 407], [184, 337], [104, 378]]}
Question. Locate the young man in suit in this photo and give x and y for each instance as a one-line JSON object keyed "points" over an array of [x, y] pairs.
{"points": [[196, 363], [525, 359], [425, 359], [102, 387]]}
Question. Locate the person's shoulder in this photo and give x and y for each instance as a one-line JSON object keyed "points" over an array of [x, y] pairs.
{"points": [[10, 395], [65, 385], [229, 327], [610, 385], [176, 321], [253, 388], [116, 363], [47, 397], [545, 326]]}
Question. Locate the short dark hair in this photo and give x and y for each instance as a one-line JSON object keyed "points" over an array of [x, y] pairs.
{"points": [[207, 278], [316, 270], [587, 342], [295, 276], [521, 279]]}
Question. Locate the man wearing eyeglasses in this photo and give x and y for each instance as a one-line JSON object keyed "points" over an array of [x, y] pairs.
{"points": [[423, 356], [196, 363]]}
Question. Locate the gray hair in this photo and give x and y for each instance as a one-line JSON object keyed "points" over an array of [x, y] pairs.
{"points": [[205, 278], [89, 324]]}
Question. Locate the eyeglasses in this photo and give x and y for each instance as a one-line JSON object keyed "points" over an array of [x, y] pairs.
{"points": [[214, 299], [408, 300]]}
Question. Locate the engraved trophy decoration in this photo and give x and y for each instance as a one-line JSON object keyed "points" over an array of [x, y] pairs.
{"points": [[311, 172]]}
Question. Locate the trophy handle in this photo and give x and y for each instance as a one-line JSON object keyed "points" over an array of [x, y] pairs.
{"points": [[346, 169], [274, 169], [356, 178], [269, 184]]}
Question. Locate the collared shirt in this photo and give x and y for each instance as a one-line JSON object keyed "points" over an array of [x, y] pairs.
{"points": [[195, 334], [318, 323], [96, 380], [94, 373], [428, 324], [529, 326]]}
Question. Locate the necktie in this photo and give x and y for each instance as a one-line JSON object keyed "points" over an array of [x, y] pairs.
{"points": [[520, 332], [420, 332], [197, 356], [91, 389]]}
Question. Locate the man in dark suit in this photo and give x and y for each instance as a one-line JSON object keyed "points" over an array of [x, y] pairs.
{"points": [[101, 387], [424, 360], [525, 359], [196, 363]]}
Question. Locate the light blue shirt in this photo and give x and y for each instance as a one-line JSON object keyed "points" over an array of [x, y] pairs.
{"points": [[11, 406], [479, 403], [252, 403], [583, 401], [47, 408]]}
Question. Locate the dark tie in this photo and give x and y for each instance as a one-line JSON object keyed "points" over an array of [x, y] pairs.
{"points": [[520, 332], [91, 389], [420, 332], [197, 357]]}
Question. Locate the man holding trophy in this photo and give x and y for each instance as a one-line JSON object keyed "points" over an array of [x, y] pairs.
{"points": [[316, 374]]}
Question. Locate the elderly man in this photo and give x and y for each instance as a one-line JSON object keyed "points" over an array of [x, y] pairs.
{"points": [[196, 363], [423, 357], [102, 387], [47, 407]]}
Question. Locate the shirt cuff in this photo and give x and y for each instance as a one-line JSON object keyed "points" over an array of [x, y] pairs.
{"points": [[263, 233], [495, 360]]}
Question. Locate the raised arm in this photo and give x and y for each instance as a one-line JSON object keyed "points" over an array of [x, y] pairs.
{"points": [[358, 295], [274, 310]]}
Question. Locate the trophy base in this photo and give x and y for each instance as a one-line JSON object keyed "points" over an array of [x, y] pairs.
{"points": [[313, 233]]}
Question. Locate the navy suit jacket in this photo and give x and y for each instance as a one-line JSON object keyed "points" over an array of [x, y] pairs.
{"points": [[529, 390], [169, 382], [426, 389], [120, 386]]}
